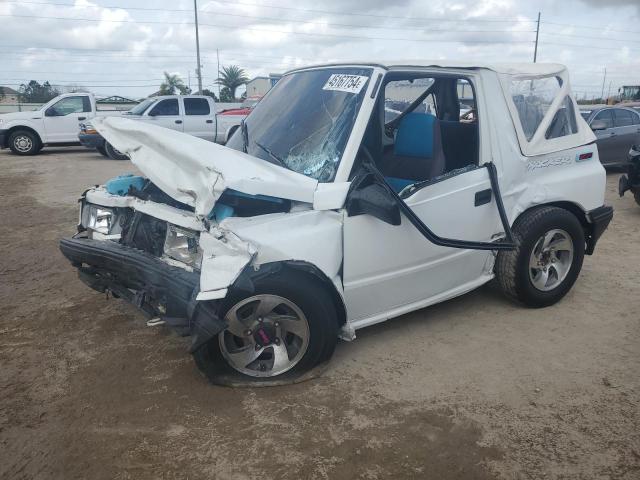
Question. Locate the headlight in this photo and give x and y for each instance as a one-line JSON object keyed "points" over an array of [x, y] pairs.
{"points": [[182, 245], [1, 121], [97, 218]]}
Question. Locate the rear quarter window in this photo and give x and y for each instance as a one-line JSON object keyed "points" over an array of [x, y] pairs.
{"points": [[622, 118], [196, 106]]}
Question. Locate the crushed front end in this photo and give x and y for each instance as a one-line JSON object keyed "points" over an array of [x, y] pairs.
{"points": [[138, 244]]}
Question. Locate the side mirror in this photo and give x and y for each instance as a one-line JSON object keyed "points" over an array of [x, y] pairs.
{"points": [[598, 125], [370, 198], [50, 112]]}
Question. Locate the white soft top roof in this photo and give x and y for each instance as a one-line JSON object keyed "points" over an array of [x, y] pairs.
{"points": [[524, 69]]}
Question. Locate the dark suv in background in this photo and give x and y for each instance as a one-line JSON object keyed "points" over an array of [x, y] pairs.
{"points": [[617, 129]]}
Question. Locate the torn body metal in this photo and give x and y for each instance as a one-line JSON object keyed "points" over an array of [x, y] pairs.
{"points": [[196, 172]]}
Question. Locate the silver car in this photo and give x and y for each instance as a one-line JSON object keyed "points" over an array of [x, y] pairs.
{"points": [[617, 129]]}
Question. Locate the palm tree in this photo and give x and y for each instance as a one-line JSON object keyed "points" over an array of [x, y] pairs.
{"points": [[232, 77], [171, 84]]}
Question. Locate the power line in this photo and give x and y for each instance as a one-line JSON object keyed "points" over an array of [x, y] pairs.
{"points": [[573, 45], [288, 20], [306, 10], [178, 54], [595, 27], [233, 27], [590, 37], [155, 85]]}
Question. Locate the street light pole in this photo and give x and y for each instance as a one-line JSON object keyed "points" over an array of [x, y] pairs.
{"points": [[198, 72], [535, 51]]}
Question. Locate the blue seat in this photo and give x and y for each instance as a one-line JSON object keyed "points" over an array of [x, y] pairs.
{"points": [[418, 148]]}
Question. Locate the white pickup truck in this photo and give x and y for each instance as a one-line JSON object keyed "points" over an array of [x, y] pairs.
{"points": [[57, 123]]}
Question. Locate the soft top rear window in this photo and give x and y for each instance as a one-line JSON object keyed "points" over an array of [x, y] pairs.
{"points": [[532, 98]]}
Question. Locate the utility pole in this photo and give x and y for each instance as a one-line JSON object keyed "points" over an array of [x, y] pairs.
{"points": [[604, 79], [198, 72], [535, 51], [218, 75], [609, 91]]}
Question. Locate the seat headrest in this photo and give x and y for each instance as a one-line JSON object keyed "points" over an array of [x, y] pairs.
{"points": [[415, 135]]}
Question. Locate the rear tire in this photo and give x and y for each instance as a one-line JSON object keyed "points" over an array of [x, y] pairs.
{"points": [[24, 142], [547, 260], [114, 154], [306, 348]]}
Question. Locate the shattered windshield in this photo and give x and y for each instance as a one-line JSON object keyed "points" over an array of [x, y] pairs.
{"points": [[305, 121]]}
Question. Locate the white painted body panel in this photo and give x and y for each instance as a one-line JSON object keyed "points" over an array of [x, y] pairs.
{"points": [[387, 266]]}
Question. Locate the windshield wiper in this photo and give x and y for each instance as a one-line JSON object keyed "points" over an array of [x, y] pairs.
{"points": [[271, 154]]}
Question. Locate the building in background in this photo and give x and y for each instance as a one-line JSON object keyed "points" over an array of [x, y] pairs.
{"points": [[8, 95], [259, 86]]}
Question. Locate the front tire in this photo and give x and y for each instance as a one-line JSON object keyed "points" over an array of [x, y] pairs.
{"points": [[279, 334], [102, 150], [24, 142], [547, 260], [114, 154]]}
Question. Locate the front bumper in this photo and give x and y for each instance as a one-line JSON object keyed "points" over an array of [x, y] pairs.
{"points": [[91, 140], [155, 287], [598, 219]]}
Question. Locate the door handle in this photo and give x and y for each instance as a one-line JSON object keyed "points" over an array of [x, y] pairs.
{"points": [[178, 121], [483, 197], [82, 118], [211, 121]]}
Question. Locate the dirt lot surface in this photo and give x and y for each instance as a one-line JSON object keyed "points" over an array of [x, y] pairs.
{"points": [[475, 388]]}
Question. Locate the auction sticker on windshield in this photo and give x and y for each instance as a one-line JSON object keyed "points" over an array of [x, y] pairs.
{"points": [[345, 83]]}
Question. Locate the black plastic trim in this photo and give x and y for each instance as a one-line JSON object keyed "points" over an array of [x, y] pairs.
{"points": [[507, 244], [116, 267], [599, 219]]}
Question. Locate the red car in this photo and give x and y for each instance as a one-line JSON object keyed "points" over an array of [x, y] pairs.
{"points": [[244, 109]]}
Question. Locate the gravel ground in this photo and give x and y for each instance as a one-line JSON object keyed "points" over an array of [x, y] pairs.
{"points": [[475, 388]]}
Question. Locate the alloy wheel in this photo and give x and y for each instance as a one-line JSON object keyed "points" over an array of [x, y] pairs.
{"points": [[551, 260], [267, 335]]}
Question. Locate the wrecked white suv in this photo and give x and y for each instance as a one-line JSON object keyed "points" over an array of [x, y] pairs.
{"points": [[352, 194]]}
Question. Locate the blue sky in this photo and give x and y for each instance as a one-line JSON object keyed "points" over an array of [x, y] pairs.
{"points": [[117, 47]]}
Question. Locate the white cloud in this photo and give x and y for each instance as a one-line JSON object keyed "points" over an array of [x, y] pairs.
{"points": [[123, 50]]}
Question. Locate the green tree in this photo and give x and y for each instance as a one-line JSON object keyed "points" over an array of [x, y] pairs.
{"points": [[226, 96], [208, 93], [172, 84], [33, 92], [231, 78]]}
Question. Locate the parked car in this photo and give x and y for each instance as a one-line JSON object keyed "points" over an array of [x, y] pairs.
{"points": [[192, 114], [631, 181], [245, 107], [616, 128], [322, 218], [55, 124]]}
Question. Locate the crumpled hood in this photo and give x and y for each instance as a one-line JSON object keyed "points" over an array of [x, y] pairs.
{"points": [[195, 171]]}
